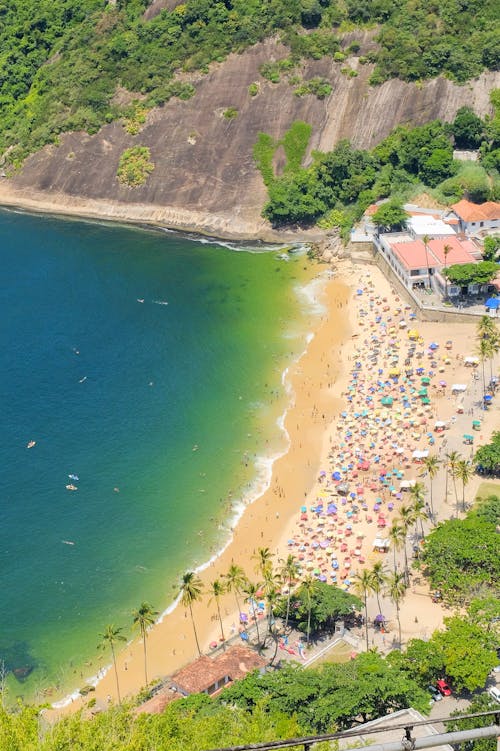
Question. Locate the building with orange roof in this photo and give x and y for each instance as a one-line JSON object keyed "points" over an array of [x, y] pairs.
{"points": [[206, 675], [474, 217]]}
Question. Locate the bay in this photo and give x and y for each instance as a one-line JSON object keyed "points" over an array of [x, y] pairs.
{"points": [[149, 366]]}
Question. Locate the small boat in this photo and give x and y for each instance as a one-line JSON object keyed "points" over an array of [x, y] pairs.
{"points": [[30, 444], [71, 487], [139, 299], [67, 542]]}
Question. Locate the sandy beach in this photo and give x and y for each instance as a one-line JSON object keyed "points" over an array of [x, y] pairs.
{"points": [[357, 301]]}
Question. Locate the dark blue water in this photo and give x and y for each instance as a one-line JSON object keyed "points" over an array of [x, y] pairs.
{"points": [[159, 409]]}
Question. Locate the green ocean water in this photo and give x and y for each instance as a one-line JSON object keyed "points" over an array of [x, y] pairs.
{"points": [[149, 366]]}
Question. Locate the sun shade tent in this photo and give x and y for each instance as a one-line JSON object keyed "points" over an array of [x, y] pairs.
{"points": [[459, 387], [407, 484]]}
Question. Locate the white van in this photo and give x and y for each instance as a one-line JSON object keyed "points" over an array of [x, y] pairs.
{"points": [[494, 692]]}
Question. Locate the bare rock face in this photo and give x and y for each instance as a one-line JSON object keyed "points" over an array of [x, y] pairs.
{"points": [[204, 175]]}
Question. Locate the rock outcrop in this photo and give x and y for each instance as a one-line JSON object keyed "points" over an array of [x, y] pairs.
{"points": [[204, 176]]}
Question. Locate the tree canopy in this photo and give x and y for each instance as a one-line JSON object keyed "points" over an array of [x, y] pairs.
{"points": [[328, 604], [471, 273], [488, 457], [461, 555], [390, 215]]}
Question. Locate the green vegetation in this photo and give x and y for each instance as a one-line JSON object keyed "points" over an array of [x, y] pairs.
{"points": [[318, 608], [135, 166], [480, 703], [62, 63], [339, 185], [491, 247], [319, 87], [390, 215], [471, 273], [254, 89], [230, 113], [461, 555], [488, 457], [294, 142], [331, 695], [464, 651]]}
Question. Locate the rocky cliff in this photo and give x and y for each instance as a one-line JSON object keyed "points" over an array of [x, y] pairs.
{"points": [[204, 176]]}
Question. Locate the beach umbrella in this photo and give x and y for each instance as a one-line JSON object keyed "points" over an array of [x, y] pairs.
{"points": [[493, 303]]}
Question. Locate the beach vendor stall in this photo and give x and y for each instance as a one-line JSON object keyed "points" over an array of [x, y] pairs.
{"points": [[406, 485], [381, 544]]}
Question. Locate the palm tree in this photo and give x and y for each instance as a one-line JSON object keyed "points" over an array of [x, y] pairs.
{"points": [[217, 589], [143, 618], [484, 351], [379, 578], [425, 240], [251, 589], [406, 521], [112, 635], [270, 587], [487, 331], [263, 559], [191, 591], [452, 460], [464, 471], [235, 581], [309, 585], [362, 586], [397, 537], [417, 494], [446, 251], [289, 572], [431, 464], [396, 588]]}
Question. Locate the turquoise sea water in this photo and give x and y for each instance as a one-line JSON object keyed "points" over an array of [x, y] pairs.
{"points": [[160, 410]]}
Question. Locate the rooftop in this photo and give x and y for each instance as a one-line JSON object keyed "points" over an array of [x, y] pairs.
{"points": [[412, 254], [199, 675], [423, 224], [477, 212]]}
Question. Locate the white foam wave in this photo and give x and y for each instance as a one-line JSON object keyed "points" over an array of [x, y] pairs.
{"points": [[264, 470]]}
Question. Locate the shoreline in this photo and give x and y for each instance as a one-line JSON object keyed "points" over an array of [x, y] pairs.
{"points": [[216, 226], [318, 380], [255, 514]]}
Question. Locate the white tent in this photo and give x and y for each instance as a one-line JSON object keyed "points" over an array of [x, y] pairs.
{"points": [[381, 544], [459, 387], [420, 454], [407, 484]]}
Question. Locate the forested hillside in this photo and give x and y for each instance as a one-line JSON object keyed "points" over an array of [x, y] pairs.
{"points": [[78, 65]]}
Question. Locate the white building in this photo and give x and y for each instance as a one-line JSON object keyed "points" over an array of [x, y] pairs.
{"points": [[419, 265], [474, 217]]}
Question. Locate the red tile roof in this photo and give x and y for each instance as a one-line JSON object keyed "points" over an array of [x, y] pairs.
{"points": [[474, 212], [234, 663], [412, 255]]}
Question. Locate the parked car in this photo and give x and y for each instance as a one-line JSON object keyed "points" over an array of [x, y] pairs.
{"points": [[443, 687], [494, 692], [434, 693]]}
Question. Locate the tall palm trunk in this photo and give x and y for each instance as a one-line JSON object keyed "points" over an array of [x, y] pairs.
{"points": [[116, 674], [399, 622], [366, 623], [288, 602], [194, 629], [143, 630], [221, 626]]}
